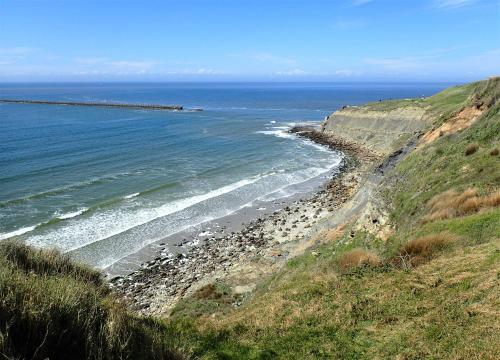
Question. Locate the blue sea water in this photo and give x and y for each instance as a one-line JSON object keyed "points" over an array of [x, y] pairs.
{"points": [[73, 177]]}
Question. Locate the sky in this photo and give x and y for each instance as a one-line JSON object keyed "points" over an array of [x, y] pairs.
{"points": [[249, 40]]}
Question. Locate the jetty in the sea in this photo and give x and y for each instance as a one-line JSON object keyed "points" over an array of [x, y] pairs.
{"points": [[100, 104]]}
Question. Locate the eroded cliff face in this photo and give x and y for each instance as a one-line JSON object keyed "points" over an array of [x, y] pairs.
{"points": [[384, 127], [382, 131]]}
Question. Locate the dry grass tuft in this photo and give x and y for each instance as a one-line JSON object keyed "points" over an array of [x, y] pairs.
{"points": [[416, 251], [426, 246], [494, 152], [358, 258], [209, 291], [450, 204], [471, 149], [215, 293], [492, 200], [441, 214]]}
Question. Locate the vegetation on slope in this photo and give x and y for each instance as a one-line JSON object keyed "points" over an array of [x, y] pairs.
{"points": [[52, 308], [429, 291]]}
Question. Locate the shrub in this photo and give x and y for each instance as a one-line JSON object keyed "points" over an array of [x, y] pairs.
{"points": [[358, 258], [450, 204], [469, 206], [416, 251], [213, 292], [471, 149], [492, 200], [494, 152]]}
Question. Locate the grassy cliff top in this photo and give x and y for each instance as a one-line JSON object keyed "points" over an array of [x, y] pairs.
{"points": [[483, 93], [429, 289]]}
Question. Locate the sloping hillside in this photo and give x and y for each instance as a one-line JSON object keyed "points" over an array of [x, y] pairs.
{"points": [[428, 288], [407, 268]]}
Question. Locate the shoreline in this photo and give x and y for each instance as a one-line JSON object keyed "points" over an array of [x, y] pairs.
{"points": [[233, 222], [240, 258]]}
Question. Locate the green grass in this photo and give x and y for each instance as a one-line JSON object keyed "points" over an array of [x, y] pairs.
{"points": [[445, 307], [310, 310], [53, 308], [212, 298], [443, 165], [316, 313]]}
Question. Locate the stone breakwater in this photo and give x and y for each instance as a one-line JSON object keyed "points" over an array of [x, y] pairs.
{"points": [[98, 104]]}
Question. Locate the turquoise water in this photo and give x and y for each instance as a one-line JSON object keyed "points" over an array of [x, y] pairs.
{"points": [[74, 177]]}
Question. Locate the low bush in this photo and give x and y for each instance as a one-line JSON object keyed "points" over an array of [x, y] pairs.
{"points": [[471, 149], [418, 250], [450, 204], [358, 258], [494, 152]]}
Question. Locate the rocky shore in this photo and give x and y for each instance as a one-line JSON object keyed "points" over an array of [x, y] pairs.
{"points": [[242, 258], [335, 143]]}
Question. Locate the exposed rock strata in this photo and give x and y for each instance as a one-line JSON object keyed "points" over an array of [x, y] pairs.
{"points": [[381, 131]]}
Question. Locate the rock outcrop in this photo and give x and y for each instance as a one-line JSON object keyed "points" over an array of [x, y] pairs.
{"points": [[380, 130]]}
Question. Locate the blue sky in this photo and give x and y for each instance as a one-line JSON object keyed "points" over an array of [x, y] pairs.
{"points": [[256, 40]]}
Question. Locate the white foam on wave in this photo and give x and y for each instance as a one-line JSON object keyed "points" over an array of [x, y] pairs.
{"points": [[299, 177], [140, 236], [18, 232], [282, 132], [320, 147], [131, 196], [102, 225], [277, 133], [72, 214], [205, 233], [28, 229]]}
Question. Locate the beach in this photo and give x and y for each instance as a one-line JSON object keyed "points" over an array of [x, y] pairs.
{"points": [[242, 256]]}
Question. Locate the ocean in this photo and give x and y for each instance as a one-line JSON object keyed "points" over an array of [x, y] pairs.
{"points": [[103, 183]]}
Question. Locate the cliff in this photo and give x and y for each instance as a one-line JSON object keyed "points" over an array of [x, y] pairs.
{"points": [[398, 259], [384, 127], [380, 130]]}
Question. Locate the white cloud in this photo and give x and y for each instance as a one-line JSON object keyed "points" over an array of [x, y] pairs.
{"points": [[292, 72], [91, 60], [17, 51], [266, 57], [9, 56], [204, 71], [95, 65], [438, 62], [344, 72], [396, 63], [133, 65], [449, 4]]}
